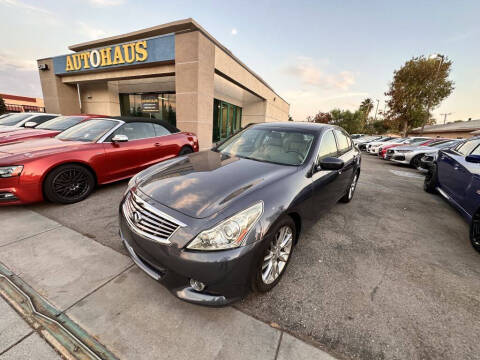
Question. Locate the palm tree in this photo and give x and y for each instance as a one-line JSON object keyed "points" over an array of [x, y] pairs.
{"points": [[366, 106]]}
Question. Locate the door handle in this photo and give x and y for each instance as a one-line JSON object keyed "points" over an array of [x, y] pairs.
{"points": [[157, 144]]}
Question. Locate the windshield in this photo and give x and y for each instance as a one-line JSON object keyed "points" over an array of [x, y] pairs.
{"points": [[438, 143], [88, 131], [61, 123], [14, 119], [269, 145]]}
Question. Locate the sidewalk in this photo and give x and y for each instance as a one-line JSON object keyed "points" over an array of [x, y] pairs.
{"points": [[116, 303]]}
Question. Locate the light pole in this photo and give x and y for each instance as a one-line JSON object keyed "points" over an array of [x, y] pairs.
{"points": [[445, 117], [376, 110], [433, 57]]}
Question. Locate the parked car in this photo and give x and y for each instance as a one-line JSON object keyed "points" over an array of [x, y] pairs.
{"points": [[356, 136], [48, 129], [65, 169], [212, 225], [362, 145], [374, 146], [412, 154], [427, 160], [19, 120], [456, 176], [387, 151], [5, 115]]}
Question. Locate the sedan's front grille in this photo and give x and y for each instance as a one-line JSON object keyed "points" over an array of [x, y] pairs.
{"points": [[148, 221]]}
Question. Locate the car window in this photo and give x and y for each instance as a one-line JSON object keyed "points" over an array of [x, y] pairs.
{"points": [[134, 131], [14, 119], [61, 123], [88, 131], [160, 130], [41, 119], [328, 146], [467, 147], [343, 144]]}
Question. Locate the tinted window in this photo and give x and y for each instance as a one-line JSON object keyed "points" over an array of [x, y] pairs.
{"points": [[42, 118], [134, 131], [328, 146], [61, 123], [467, 147], [160, 130], [343, 144]]}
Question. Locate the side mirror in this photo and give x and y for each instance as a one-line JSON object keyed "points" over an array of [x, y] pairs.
{"points": [[120, 138], [30, 124], [473, 159], [330, 163]]}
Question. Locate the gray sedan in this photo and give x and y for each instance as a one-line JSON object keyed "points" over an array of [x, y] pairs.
{"points": [[412, 155]]}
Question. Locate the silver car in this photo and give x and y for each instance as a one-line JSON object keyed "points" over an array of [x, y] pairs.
{"points": [[412, 155]]}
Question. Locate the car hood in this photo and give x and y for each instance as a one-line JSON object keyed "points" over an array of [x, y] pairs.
{"points": [[202, 184], [18, 134], [36, 148]]}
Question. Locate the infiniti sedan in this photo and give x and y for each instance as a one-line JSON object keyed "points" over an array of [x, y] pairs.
{"points": [[213, 225]]}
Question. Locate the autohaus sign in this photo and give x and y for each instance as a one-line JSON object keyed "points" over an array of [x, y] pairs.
{"points": [[157, 49]]}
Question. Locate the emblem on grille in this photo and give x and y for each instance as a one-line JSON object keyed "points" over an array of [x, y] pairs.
{"points": [[136, 217]]}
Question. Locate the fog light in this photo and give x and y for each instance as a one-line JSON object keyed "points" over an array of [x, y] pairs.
{"points": [[197, 285]]}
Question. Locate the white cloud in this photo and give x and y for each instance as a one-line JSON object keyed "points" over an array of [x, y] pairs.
{"points": [[9, 62], [106, 3], [310, 73], [91, 32], [234, 31], [21, 5]]}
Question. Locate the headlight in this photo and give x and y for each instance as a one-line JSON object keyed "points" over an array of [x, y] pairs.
{"points": [[230, 233], [9, 171], [403, 151]]}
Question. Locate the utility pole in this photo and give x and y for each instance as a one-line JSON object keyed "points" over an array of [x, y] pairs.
{"points": [[445, 117]]}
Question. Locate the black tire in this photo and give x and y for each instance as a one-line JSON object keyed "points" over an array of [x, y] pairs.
{"points": [[257, 282], [68, 184], [430, 183], [416, 162], [350, 192], [185, 150], [475, 231]]}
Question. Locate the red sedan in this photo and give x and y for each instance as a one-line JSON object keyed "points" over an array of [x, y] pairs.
{"points": [[48, 129], [383, 153], [66, 168]]}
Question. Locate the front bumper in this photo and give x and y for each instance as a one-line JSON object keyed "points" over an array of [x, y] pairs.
{"points": [[13, 192], [400, 158], [225, 273]]}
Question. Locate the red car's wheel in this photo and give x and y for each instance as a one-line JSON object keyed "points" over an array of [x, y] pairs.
{"points": [[68, 184]]}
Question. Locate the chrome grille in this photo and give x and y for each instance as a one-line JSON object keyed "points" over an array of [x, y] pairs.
{"points": [[148, 221]]}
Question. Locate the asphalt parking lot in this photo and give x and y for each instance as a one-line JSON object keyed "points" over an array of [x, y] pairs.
{"points": [[390, 275]]}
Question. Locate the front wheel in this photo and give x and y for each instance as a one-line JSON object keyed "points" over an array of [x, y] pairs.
{"points": [[274, 260], [68, 184], [416, 162], [430, 183], [475, 232], [185, 150]]}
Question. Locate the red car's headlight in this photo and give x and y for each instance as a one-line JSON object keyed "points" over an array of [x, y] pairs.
{"points": [[9, 171]]}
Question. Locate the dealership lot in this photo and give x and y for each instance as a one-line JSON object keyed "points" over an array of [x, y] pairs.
{"points": [[389, 275]]}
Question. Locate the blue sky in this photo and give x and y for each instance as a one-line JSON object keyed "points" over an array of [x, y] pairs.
{"points": [[318, 55]]}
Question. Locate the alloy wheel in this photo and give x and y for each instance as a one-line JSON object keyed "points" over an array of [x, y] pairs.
{"points": [[278, 254], [71, 184], [475, 232]]}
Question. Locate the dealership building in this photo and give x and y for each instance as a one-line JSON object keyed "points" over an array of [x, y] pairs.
{"points": [[176, 72]]}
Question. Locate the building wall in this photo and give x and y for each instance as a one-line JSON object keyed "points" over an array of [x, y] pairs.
{"points": [[450, 135], [100, 98]]}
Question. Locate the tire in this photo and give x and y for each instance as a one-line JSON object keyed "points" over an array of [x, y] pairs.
{"points": [[475, 231], [351, 189], [185, 150], [416, 162], [68, 184], [261, 282], [430, 183]]}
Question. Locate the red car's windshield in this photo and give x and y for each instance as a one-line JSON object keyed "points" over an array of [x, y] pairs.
{"points": [[61, 123], [88, 131]]}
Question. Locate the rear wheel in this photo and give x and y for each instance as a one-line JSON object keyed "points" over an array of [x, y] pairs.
{"points": [[475, 231], [68, 184], [430, 183], [185, 150], [351, 189], [416, 162], [276, 257]]}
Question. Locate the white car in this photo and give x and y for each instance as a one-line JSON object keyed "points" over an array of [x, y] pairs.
{"points": [[373, 147], [412, 154], [19, 120]]}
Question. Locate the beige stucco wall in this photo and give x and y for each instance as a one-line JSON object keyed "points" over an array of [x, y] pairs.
{"points": [[100, 98]]}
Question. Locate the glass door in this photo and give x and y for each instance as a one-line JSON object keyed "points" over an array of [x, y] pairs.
{"points": [[226, 120]]}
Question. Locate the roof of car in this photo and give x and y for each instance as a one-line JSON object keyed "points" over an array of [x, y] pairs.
{"points": [[300, 125], [128, 119]]}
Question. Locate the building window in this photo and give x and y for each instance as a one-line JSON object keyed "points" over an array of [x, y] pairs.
{"points": [[227, 119], [160, 106]]}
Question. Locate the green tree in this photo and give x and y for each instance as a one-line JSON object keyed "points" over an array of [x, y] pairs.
{"points": [[3, 107], [366, 106], [322, 118], [418, 86], [353, 122]]}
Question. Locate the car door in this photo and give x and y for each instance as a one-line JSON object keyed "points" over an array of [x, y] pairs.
{"points": [[453, 173], [166, 143], [125, 159], [347, 155], [325, 183]]}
